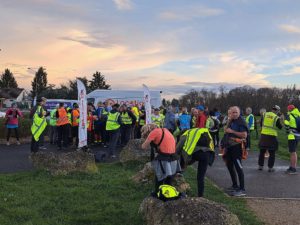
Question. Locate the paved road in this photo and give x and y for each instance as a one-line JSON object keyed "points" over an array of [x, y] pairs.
{"points": [[259, 183], [15, 158]]}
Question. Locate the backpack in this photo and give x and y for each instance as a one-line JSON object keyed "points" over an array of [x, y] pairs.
{"points": [[216, 125], [297, 122], [167, 193]]}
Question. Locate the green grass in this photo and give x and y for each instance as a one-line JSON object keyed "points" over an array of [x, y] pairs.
{"points": [[109, 197]]}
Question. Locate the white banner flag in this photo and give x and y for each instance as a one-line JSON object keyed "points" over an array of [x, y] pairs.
{"points": [[147, 99], [82, 128]]}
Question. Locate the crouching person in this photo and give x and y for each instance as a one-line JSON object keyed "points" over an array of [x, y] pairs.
{"points": [[196, 145], [163, 156]]}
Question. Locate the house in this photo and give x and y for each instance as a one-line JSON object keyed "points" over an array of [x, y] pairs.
{"points": [[10, 95]]}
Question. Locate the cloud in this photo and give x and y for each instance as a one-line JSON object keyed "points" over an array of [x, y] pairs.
{"points": [[290, 28], [123, 4], [90, 39], [190, 13]]}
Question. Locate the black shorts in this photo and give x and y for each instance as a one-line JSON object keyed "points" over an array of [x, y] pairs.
{"points": [[292, 145]]}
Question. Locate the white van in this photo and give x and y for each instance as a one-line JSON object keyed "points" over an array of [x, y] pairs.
{"points": [[51, 103], [127, 97]]}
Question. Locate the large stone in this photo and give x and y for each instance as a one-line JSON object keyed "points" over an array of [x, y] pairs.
{"points": [[133, 152], [146, 175], [64, 163], [186, 211]]}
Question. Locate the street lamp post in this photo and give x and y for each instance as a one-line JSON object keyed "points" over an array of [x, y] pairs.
{"points": [[35, 97]]}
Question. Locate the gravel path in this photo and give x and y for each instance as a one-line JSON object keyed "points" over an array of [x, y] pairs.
{"points": [[276, 211]]}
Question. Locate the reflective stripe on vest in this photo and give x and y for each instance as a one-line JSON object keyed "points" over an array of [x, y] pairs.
{"points": [[269, 124], [142, 122], [90, 119], [112, 121], [53, 118], [126, 119], [75, 117], [157, 120], [194, 120], [38, 125], [253, 120], [62, 117], [192, 137]]}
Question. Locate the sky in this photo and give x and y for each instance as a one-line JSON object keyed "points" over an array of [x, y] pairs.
{"points": [[169, 45]]}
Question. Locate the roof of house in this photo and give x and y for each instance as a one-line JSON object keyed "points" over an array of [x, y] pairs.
{"points": [[10, 93]]}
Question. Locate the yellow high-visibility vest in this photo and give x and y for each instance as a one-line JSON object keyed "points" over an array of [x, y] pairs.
{"points": [[269, 124], [112, 121], [192, 137], [39, 124], [253, 121], [126, 119]]}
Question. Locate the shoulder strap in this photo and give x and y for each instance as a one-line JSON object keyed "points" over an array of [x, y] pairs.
{"points": [[162, 137]]}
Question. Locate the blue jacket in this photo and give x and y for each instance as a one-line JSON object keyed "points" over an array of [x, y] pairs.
{"points": [[185, 122], [169, 121]]}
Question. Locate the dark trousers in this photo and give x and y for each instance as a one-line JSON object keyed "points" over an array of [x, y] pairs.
{"points": [[234, 165], [248, 145], [203, 159], [9, 133], [69, 127], [138, 131], [62, 135], [215, 137], [34, 145], [42, 138], [125, 133], [53, 134], [75, 135], [261, 158], [113, 140], [90, 137], [103, 133]]}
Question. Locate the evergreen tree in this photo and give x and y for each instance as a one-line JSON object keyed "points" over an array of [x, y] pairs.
{"points": [[98, 82], [8, 80], [39, 83]]}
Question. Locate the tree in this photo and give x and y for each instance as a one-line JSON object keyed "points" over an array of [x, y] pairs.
{"points": [[39, 83], [73, 87], [98, 82], [8, 80]]}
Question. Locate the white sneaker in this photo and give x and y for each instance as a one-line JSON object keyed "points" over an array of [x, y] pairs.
{"points": [[7, 143], [18, 143]]}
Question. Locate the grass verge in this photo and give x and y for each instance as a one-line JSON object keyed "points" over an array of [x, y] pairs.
{"points": [[109, 197]]}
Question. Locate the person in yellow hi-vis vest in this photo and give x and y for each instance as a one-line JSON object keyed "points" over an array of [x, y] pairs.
{"points": [[196, 144], [250, 120], [113, 125], [128, 123], [293, 136], [157, 118], [268, 138], [39, 124]]}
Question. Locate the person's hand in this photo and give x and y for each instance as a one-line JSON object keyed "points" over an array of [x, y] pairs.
{"points": [[229, 131]]}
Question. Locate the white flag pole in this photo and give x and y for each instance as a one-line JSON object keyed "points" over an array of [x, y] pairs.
{"points": [[147, 103], [82, 101]]}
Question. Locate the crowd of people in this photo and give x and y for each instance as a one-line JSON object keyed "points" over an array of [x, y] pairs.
{"points": [[178, 136]]}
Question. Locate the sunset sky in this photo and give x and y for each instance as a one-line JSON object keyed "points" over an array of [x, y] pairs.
{"points": [[169, 45]]}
